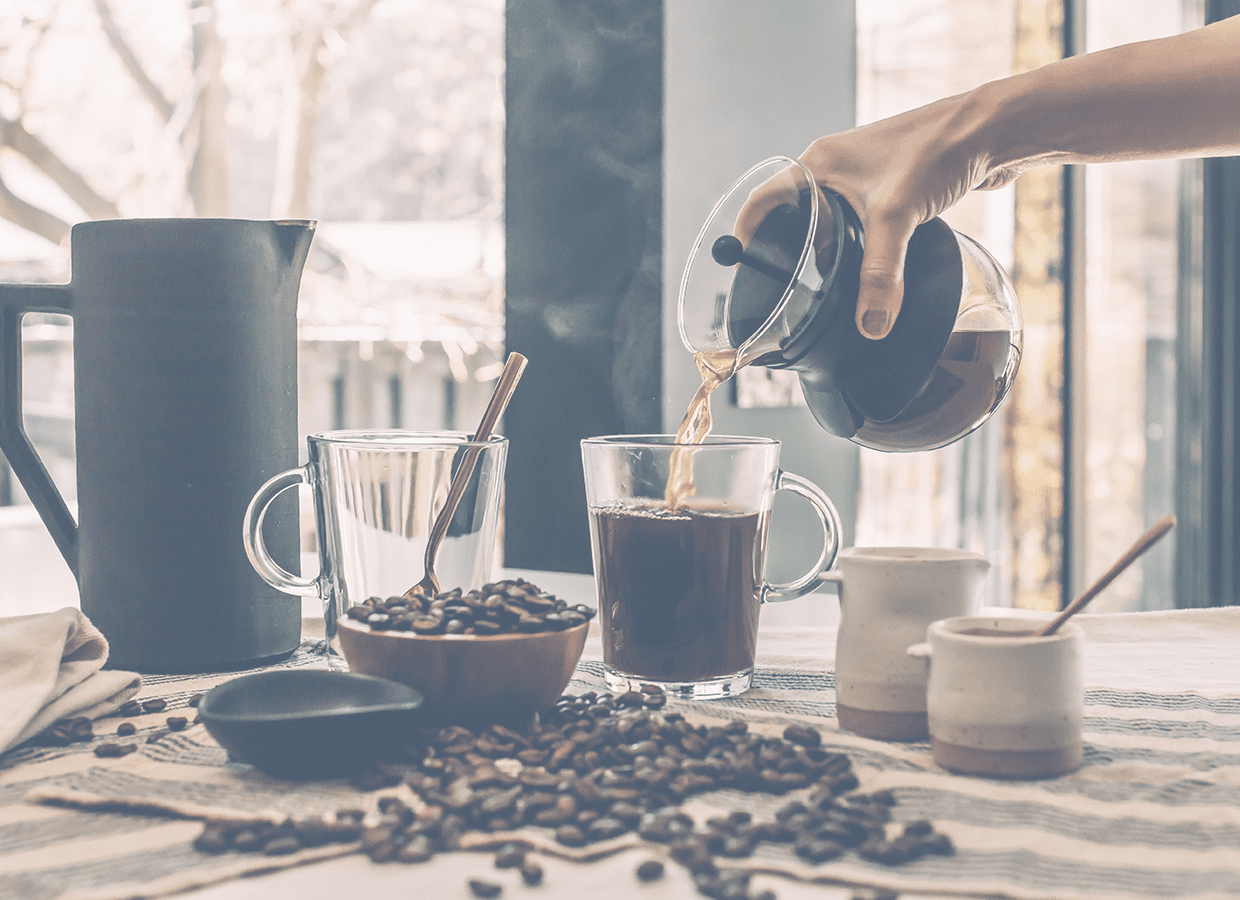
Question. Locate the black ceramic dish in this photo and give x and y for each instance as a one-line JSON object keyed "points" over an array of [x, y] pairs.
{"points": [[309, 723]]}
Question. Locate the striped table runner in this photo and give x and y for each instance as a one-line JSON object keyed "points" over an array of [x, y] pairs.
{"points": [[1154, 812]]}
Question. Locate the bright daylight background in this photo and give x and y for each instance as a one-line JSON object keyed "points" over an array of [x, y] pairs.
{"points": [[383, 119]]}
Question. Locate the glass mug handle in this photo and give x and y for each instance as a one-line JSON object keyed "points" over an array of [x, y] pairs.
{"points": [[831, 529], [252, 534]]}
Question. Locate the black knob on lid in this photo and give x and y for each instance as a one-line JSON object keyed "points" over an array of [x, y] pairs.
{"points": [[727, 250]]}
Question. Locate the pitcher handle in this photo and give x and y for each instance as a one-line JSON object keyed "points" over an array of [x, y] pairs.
{"points": [[252, 535], [15, 301], [831, 538]]}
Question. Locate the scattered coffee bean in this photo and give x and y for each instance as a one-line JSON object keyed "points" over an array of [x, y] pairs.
{"points": [[595, 767], [419, 849], [250, 839], [194, 701], [484, 889], [816, 849], [176, 723], [510, 856], [114, 751], [282, 845], [57, 736], [876, 894], [918, 829], [938, 844], [650, 870], [799, 734], [212, 840], [126, 728], [570, 836], [64, 732], [155, 704], [130, 708], [531, 873]]}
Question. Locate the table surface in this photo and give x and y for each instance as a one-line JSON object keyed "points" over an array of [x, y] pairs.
{"points": [[1175, 675], [446, 875]]}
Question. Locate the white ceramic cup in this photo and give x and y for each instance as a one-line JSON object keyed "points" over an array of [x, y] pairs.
{"points": [[888, 597], [1001, 700]]}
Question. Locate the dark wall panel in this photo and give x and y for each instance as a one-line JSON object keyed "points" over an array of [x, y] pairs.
{"points": [[583, 176]]}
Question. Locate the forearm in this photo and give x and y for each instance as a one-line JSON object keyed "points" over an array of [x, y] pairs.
{"points": [[1173, 97]]}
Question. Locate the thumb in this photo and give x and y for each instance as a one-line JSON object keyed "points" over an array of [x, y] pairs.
{"points": [[881, 290]]}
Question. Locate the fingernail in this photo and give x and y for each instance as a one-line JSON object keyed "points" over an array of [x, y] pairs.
{"points": [[874, 322]]}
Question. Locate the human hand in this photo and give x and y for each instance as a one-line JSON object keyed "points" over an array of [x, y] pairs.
{"points": [[1168, 98], [896, 174]]}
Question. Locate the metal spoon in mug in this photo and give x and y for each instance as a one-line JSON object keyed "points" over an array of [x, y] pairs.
{"points": [[513, 367], [1145, 542]]}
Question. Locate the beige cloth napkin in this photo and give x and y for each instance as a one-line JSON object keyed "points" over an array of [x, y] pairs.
{"points": [[50, 670]]}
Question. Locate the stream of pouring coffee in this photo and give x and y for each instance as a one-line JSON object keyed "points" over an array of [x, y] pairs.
{"points": [[715, 367]]}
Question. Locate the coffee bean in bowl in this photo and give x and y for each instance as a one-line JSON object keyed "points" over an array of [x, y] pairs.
{"points": [[493, 654]]}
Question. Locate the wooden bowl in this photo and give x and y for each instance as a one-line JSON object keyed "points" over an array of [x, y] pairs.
{"points": [[469, 678]]}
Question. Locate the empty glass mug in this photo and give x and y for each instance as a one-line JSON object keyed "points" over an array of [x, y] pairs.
{"points": [[680, 583], [376, 497]]}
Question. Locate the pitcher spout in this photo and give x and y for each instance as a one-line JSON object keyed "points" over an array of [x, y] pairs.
{"points": [[293, 237]]}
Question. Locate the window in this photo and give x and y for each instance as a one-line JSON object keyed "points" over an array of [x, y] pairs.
{"points": [[1085, 447], [381, 119]]}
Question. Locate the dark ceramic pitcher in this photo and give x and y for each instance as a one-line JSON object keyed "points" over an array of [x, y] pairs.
{"points": [[185, 382]]}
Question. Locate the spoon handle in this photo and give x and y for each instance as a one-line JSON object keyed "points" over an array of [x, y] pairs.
{"points": [[1147, 540], [513, 368]]}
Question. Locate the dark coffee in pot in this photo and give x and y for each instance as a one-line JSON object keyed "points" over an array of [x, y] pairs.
{"points": [[967, 385], [678, 590]]}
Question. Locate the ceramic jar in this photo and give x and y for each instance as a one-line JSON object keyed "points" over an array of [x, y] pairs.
{"points": [[1001, 700]]}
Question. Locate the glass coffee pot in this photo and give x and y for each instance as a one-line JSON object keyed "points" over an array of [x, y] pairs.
{"points": [[785, 297]]}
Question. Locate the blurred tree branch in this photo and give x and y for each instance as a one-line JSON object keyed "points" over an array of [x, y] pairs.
{"points": [[310, 38], [31, 217], [133, 65], [125, 106], [207, 179], [13, 134]]}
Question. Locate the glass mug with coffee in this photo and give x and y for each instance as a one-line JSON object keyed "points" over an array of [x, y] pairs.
{"points": [[679, 538]]}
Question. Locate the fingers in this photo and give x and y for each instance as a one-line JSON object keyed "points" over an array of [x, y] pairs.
{"points": [[780, 188], [881, 291]]}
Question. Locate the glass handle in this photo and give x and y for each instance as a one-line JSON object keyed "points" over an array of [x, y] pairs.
{"points": [[831, 528], [252, 534]]}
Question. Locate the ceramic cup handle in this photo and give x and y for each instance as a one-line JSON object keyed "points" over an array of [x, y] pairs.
{"points": [[252, 534], [920, 651], [831, 529]]}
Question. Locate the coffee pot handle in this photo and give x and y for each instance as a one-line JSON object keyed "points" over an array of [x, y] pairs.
{"points": [[252, 536], [15, 301], [831, 529]]}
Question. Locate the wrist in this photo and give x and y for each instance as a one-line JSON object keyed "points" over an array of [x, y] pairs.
{"points": [[988, 127]]}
